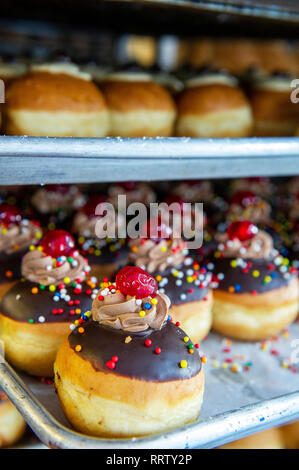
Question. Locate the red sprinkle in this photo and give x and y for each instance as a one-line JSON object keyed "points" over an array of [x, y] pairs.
{"points": [[110, 365], [148, 342], [115, 358], [158, 351]]}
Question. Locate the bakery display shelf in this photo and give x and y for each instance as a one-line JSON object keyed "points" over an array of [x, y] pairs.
{"points": [[260, 394], [40, 160]]}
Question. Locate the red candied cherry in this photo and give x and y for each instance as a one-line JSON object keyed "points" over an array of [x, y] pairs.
{"points": [[177, 199], [156, 230], [243, 198], [9, 214], [136, 282], [58, 243], [243, 230], [58, 188], [89, 208]]}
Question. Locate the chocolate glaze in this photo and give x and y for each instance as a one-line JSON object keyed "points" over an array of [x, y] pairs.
{"points": [[10, 263], [32, 306], [247, 282], [174, 292], [107, 256], [135, 360]]}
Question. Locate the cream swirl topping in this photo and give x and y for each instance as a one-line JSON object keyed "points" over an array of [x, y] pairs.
{"points": [[142, 193], [128, 313], [92, 227], [151, 256], [50, 201], [260, 246], [19, 237], [258, 213], [43, 269]]}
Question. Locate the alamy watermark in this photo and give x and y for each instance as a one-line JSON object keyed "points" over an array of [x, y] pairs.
{"points": [[2, 360], [158, 220]]}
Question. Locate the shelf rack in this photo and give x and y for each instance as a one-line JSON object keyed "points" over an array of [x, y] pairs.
{"points": [[40, 160]]}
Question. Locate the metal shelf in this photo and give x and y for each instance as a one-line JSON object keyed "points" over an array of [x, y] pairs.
{"points": [[39, 160]]}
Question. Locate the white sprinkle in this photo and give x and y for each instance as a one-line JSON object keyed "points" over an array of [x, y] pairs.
{"points": [[41, 319]]}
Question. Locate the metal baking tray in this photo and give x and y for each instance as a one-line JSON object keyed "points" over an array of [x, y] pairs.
{"points": [[38, 160], [257, 388]]}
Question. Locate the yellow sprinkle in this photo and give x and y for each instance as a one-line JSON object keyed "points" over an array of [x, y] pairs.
{"points": [[98, 252], [39, 248], [204, 359], [142, 313], [268, 279], [233, 263], [224, 365], [38, 235], [66, 280], [158, 278], [76, 322], [52, 288], [112, 248], [88, 313], [255, 273], [4, 230], [163, 248], [186, 339], [78, 310], [189, 279], [183, 364], [128, 339], [31, 247], [175, 273], [217, 254], [81, 240], [154, 301], [78, 348], [215, 364], [51, 226], [191, 351]]}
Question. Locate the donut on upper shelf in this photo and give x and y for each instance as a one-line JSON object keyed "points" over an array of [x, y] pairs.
{"points": [[274, 113], [55, 99], [129, 371], [139, 107], [213, 105]]}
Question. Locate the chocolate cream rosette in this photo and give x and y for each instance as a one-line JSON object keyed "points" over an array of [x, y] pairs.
{"points": [[54, 204], [104, 254], [37, 311], [257, 292], [16, 235], [128, 370]]}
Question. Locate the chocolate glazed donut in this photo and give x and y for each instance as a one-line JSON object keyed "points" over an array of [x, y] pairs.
{"points": [[128, 370]]}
